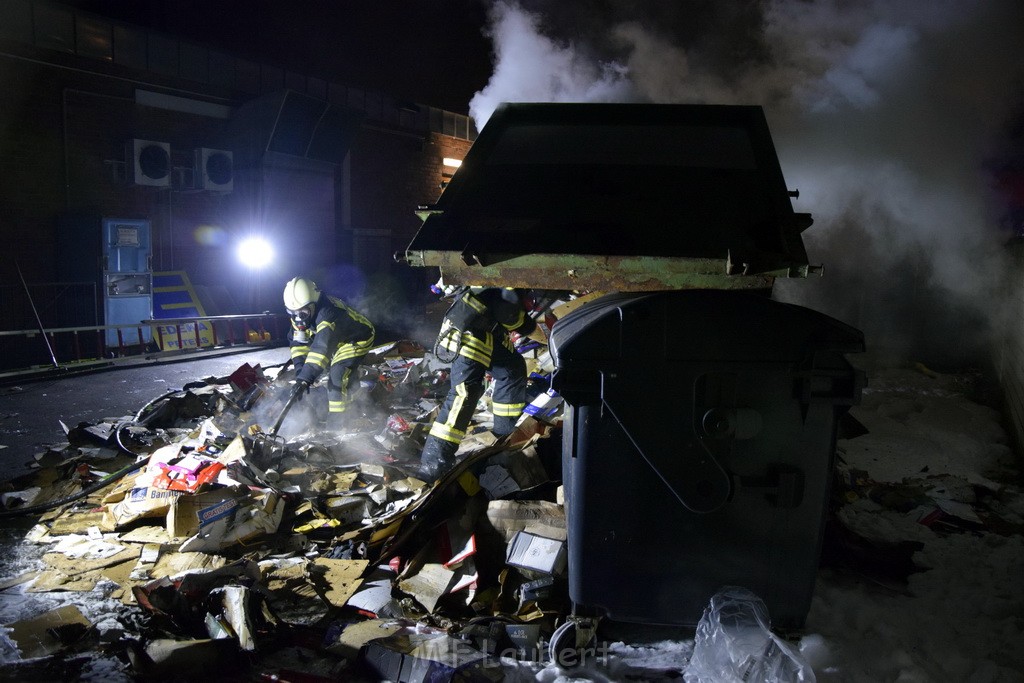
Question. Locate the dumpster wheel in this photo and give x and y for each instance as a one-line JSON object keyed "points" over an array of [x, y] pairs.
{"points": [[573, 641]]}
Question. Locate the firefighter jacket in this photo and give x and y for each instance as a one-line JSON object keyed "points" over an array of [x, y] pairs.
{"points": [[478, 318], [339, 333]]}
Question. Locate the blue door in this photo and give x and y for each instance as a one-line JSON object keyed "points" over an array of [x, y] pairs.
{"points": [[127, 280]]}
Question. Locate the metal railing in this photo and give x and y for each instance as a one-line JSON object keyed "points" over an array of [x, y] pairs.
{"points": [[24, 351], [182, 334]]}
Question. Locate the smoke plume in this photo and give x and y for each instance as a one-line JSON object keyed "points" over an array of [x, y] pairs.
{"points": [[887, 116]]}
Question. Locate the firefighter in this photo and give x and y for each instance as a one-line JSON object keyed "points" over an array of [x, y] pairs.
{"points": [[475, 337], [327, 334]]}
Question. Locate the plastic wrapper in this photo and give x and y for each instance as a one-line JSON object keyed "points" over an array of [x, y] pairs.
{"points": [[734, 644]]}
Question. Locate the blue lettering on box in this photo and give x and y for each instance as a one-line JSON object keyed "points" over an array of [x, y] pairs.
{"points": [[215, 512]]}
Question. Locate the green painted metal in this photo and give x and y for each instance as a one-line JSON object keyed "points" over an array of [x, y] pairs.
{"points": [[592, 272]]}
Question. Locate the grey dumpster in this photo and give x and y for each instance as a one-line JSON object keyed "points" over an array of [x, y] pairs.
{"points": [[698, 446]]}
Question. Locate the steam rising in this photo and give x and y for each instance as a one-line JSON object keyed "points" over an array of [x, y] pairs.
{"points": [[884, 114]]}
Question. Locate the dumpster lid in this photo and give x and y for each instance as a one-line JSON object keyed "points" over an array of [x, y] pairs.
{"points": [[616, 197]]}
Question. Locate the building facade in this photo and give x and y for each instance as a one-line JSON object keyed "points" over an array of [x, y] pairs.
{"points": [[103, 121]]}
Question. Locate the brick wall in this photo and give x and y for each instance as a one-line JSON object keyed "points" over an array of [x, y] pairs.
{"points": [[393, 173], [62, 136]]}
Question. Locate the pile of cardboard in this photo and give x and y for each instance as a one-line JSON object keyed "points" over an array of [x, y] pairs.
{"points": [[223, 542]]}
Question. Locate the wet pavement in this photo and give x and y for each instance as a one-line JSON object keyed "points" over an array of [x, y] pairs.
{"points": [[31, 412]]}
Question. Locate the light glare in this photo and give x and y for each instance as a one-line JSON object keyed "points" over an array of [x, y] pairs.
{"points": [[255, 252]]}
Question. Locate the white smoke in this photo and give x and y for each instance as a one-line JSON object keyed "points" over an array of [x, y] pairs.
{"points": [[530, 67], [883, 113]]}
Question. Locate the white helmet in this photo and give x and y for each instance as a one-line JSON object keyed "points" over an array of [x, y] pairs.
{"points": [[300, 292], [300, 297]]}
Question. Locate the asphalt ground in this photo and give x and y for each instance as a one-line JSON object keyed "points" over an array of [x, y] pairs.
{"points": [[31, 412]]}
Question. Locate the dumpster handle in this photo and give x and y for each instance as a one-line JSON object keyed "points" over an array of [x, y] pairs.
{"points": [[700, 483]]}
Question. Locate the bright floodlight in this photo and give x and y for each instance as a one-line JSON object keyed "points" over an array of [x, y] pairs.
{"points": [[255, 252]]}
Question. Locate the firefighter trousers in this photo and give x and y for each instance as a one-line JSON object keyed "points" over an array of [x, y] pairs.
{"points": [[507, 368], [342, 375], [341, 378]]}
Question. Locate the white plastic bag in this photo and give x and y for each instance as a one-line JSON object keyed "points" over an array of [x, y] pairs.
{"points": [[734, 644]]}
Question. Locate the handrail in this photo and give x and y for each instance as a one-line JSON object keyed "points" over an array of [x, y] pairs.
{"points": [[141, 323], [236, 316], [169, 336]]}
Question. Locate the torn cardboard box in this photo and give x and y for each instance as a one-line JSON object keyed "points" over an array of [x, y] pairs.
{"points": [[223, 524], [189, 513], [508, 517], [536, 554], [137, 499]]}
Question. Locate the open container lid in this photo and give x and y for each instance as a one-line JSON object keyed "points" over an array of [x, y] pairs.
{"points": [[616, 197]]}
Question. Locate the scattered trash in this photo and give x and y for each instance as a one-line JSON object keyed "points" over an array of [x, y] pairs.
{"points": [[269, 551], [229, 536]]}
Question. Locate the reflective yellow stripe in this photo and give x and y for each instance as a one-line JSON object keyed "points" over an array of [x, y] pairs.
{"points": [[316, 358], [299, 351], [346, 351], [519, 321], [450, 341], [355, 315], [507, 409], [477, 349], [457, 404], [446, 433], [474, 303], [485, 345], [483, 359], [338, 406], [324, 325]]}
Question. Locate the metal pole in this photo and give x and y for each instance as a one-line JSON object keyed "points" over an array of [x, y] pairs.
{"points": [[38, 320]]}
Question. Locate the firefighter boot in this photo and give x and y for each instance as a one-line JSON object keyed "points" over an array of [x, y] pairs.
{"points": [[437, 458], [504, 425]]}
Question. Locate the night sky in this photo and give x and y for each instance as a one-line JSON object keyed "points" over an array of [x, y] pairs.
{"points": [[430, 52]]}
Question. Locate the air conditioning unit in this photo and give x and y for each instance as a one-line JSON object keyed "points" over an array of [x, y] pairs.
{"points": [[148, 163], [214, 170]]}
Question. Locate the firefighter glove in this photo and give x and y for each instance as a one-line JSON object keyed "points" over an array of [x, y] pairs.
{"points": [[523, 344], [300, 388]]}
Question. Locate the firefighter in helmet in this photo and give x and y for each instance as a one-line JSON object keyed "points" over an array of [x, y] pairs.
{"points": [[474, 337], [327, 334]]}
